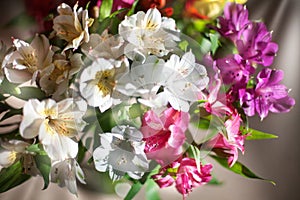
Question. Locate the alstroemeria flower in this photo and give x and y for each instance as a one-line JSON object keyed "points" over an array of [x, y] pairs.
{"points": [[254, 44], [98, 81], [55, 78], [54, 124], [181, 81], [204, 9], [164, 134], [268, 95], [234, 21], [65, 172], [185, 174], [4, 53], [228, 143], [234, 69], [72, 26], [188, 176], [28, 60], [121, 152], [15, 150], [146, 34]]}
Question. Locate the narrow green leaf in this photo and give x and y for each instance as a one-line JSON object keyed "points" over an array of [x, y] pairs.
{"points": [[257, 135], [152, 190], [240, 169], [12, 176], [135, 188], [105, 9], [43, 163], [81, 152], [214, 39], [131, 11]]}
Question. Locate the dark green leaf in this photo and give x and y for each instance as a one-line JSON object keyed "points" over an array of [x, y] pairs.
{"points": [[81, 152], [12, 176], [105, 9], [135, 188], [106, 120], [43, 163], [257, 135], [152, 190], [240, 169], [24, 93]]}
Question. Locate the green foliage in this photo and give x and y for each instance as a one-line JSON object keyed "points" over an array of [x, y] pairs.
{"points": [[152, 190], [240, 169], [256, 135], [105, 9], [12, 176], [43, 163], [24, 93], [135, 188]]}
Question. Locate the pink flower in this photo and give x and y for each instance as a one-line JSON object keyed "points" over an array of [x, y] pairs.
{"points": [[228, 146], [188, 176], [184, 173], [164, 134]]}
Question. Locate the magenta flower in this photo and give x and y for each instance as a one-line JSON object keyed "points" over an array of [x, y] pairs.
{"points": [[234, 70], [254, 44], [188, 176], [268, 95], [234, 21], [164, 134]]}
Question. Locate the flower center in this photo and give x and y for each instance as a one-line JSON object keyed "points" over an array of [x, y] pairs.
{"points": [[106, 81], [29, 60]]}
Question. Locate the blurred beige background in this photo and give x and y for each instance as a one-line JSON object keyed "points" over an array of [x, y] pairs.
{"points": [[277, 159]]}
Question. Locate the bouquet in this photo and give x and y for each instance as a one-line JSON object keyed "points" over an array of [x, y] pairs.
{"points": [[137, 90]]}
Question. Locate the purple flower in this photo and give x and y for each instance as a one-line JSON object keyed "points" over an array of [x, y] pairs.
{"points": [[254, 44], [235, 20], [268, 95], [234, 69]]}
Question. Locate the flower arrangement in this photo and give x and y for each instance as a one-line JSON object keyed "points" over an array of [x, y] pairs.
{"points": [[137, 90]]}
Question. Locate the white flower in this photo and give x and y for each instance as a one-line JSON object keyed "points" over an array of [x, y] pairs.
{"points": [[121, 152], [179, 82], [4, 53], [55, 78], [148, 33], [15, 150], [55, 124], [72, 26], [28, 60], [104, 46], [65, 173], [97, 83]]}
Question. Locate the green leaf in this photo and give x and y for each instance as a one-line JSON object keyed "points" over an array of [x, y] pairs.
{"points": [[135, 188], [131, 11], [81, 151], [105, 9], [135, 111], [240, 169], [12, 176], [24, 93], [183, 45], [43, 163], [257, 135], [35, 148], [214, 181], [152, 190], [196, 155], [214, 39]]}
